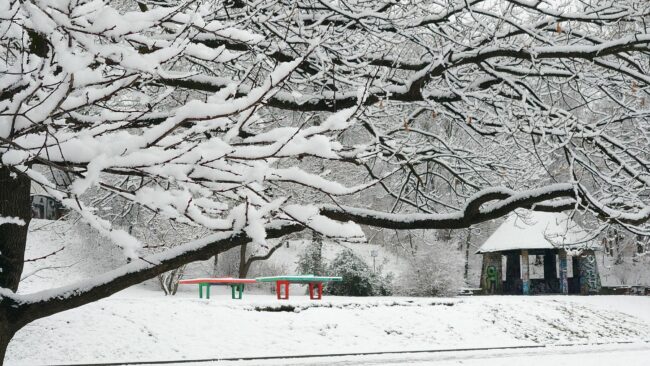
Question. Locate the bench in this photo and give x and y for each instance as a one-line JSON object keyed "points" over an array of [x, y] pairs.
{"points": [[236, 285], [315, 282]]}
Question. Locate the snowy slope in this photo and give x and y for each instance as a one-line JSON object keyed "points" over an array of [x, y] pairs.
{"points": [[144, 325], [67, 252]]}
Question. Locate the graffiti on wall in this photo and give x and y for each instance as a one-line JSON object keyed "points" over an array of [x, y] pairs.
{"points": [[589, 278], [492, 276], [491, 273]]}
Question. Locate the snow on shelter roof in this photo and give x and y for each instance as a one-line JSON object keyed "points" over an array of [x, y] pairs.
{"points": [[537, 230]]}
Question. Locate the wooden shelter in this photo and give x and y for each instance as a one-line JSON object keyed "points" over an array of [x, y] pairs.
{"points": [[539, 253]]}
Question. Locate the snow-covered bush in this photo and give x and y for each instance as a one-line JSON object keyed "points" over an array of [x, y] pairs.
{"points": [[358, 277]]}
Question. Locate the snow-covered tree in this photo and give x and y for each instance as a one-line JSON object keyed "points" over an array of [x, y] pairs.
{"points": [[457, 111]]}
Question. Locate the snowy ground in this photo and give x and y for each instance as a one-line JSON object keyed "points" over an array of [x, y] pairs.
{"points": [[140, 324], [143, 325]]}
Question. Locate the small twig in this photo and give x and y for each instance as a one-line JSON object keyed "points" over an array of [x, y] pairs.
{"points": [[45, 256]]}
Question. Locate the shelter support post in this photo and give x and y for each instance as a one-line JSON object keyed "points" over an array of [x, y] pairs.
{"points": [[525, 276], [564, 281]]}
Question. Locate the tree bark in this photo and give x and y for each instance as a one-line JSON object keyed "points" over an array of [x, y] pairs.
{"points": [[4, 343], [14, 202], [243, 264], [7, 331]]}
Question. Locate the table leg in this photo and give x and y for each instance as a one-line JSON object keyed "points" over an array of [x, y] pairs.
{"points": [[207, 292], [240, 291], [200, 290], [319, 291], [278, 289]]}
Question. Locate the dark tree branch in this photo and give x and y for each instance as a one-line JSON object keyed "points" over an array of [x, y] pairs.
{"points": [[31, 307], [472, 214]]}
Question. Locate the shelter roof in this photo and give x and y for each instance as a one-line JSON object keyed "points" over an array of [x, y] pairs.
{"points": [[526, 229]]}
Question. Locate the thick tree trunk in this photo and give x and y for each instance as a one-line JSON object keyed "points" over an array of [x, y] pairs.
{"points": [[243, 270], [4, 343], [243, 263], [14, 202], [6, 333]]}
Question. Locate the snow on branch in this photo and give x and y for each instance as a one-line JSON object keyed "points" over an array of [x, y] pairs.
{"points": [[11, 220], [506, 201]]}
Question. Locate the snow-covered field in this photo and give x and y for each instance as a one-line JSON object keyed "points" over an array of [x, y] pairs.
{"points": [[142, 325]]}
